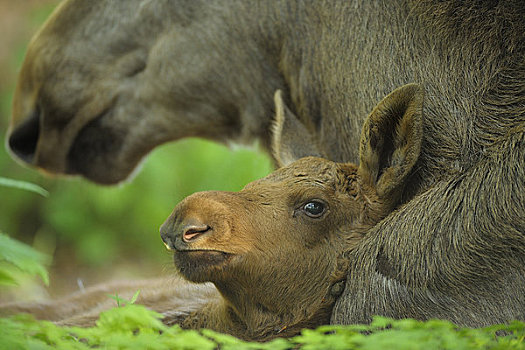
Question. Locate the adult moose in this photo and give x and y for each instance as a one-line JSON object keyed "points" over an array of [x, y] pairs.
{"points": [[106, 81]]}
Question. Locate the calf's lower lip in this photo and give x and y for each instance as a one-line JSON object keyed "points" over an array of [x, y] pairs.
{"points": [[196, 264], [203, 256]]}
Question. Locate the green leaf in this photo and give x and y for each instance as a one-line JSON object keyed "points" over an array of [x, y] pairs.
{"points": [[121, 301], [134, 297], [118, 299], [23, 185], [23, 257], [7, 279]]}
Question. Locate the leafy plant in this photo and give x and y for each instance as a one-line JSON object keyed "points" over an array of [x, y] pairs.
{"points": [[135, 327], [14, 256], [23, 185], [122, 302]]}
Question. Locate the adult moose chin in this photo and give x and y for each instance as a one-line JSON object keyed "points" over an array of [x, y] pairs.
{"points": [[104, 82]]}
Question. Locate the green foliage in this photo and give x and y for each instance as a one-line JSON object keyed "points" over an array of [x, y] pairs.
{"points": [[409, 334], [16, 256], [122, 302], [19, 257], [135, 327]]}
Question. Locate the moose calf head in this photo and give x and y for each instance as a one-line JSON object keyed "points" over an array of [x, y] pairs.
{"points": [[276, 249]]}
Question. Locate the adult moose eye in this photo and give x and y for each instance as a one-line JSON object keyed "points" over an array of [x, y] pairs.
{"points": [[314, 209]]}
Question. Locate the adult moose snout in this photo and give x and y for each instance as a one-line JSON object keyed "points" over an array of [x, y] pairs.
{"points": [[24, 141]]}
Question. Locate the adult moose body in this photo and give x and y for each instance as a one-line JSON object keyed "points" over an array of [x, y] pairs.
{"points": [[104, 82]]}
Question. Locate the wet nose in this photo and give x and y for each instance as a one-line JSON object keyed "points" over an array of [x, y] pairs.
{"points": [[24, 138], [178, 235], [192, 231]]}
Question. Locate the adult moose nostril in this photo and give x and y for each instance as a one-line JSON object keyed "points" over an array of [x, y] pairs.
{"points": [[24, 137], [191, 232]]}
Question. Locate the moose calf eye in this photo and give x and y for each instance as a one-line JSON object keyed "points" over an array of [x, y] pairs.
{"points": [[314, 209]]}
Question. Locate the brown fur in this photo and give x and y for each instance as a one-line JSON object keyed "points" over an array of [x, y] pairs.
{"points": [[273, 265], [104, 83]]}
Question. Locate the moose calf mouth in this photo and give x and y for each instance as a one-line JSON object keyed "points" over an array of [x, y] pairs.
{"points": [[198, 265]]}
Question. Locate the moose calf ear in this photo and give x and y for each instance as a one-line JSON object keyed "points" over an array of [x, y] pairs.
{"points": [[290, 138], [391, 141]]}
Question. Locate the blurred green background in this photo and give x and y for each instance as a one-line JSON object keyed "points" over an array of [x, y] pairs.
{"points": [[98, 233]]}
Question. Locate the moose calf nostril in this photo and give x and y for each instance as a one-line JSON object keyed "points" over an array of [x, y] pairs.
{"points": [[24, 137], [193, 231]]}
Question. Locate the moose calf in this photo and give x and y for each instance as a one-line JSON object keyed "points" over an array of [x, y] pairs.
{"points": [[277, 250]]}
